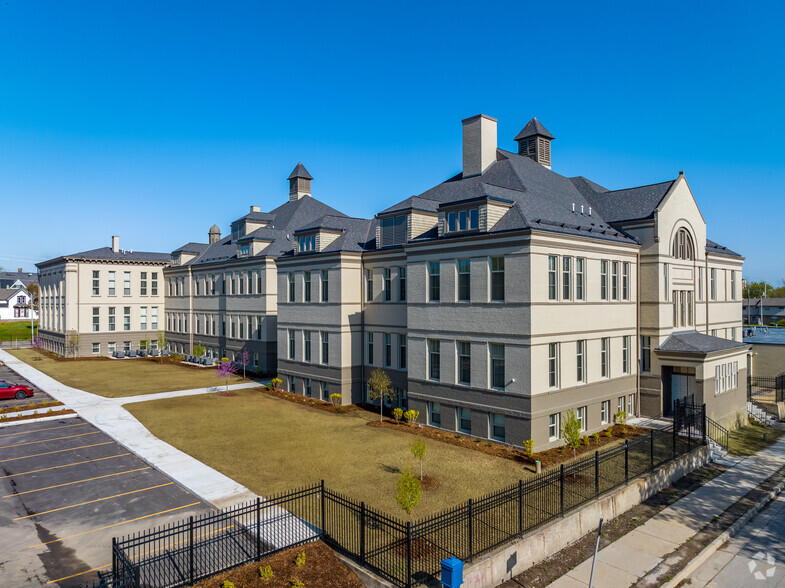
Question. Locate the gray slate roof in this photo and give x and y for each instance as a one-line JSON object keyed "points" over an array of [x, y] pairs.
{"points": [[7, 293], [357, 233], [191, 248], [695, 342], [299, 171], [712, 247], [626, 205], [106, 253], [766, 302], [8, 278], [413, 203], [532, 128]]}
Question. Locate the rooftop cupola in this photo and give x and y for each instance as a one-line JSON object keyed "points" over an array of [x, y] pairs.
{"points": [[214, 235], [535, 141], [299, 182]]}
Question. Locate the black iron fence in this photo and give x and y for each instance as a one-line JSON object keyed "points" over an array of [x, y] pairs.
{"points": [[766, 390], [403, 552]]}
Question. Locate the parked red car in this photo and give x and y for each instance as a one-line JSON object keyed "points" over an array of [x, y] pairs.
{"points": [[13, 391]]}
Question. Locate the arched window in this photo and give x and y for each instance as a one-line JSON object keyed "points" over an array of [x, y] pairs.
{"points": [[682, 245]]}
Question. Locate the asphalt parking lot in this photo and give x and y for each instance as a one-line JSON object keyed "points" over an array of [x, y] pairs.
{"points": [[12, 377], [65, 490]]}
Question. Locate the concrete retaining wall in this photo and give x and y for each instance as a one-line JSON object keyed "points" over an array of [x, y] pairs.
{"points": [[494, 568]]}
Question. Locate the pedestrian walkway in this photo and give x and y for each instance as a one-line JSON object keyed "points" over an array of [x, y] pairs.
{"points": [[109, 415], [624, 562]]}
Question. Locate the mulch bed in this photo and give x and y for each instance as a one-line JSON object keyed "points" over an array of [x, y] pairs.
{"points": [[429, 483], [307, 401], [37, 416], [32, 406], [322, 569], [551, 569], [547, 458]]}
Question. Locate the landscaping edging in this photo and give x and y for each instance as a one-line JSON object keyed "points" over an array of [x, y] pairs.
{"points": [[509, 561], [68, 415]]}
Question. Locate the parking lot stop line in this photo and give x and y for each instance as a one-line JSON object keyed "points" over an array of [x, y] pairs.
{"points": [[52, 439], [113, 525], [58, 451], [79, 574], [92, 501], [65, 465], [76, 482], [47, 429]]}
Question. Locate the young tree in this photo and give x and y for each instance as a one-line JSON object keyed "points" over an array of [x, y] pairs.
{"points": [[418, 448], [32, 289], [199, 350], [160, 336], [379, 388], [72, 341], [225, 371], [409, 491], [571, 431], [245, 359]]}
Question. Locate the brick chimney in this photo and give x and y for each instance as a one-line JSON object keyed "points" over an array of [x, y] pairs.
{"points": [[115, 243], [479, 144]]}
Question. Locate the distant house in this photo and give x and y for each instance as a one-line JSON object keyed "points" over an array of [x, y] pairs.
{"points": [[762, 311], [15, 305], [17, 279]]}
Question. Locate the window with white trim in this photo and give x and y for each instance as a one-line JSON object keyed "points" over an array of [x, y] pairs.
{"points": [[554, 426]]}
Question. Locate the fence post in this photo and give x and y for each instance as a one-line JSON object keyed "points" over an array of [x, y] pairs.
{"points": [[520, 507], [651, 450], [137, 583], [626, 461], [114, 558], [705, 423], [362, 533], [408, 554], [596, 473], [471, 530], [191, 548], [258, 528], [675, 440], [689, 435], [324, 516], [561, 489]]}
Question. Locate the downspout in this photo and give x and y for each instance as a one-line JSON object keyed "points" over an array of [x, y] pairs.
{"points": [[638, 324], [190, 312], [707, 293], [363, 297]]}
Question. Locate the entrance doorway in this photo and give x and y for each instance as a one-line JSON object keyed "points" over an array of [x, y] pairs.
{"points": [[682, 388]]}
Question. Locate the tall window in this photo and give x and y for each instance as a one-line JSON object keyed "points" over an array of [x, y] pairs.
{"points": [[435, 414], [325, 347], [682, 245], [126, 283], [387, 284], [733, 285], [566, 274], [464, 363], [580, 278], [497, 279], [713, 283], [368, 285], [307, 345], [434, 359], [96, 283], [665, 279], [143, 318], [325, 286], [553, 261], [625, 354], [553, 365], [96, 319], [497, 427], [111, 283], [291, 343], [387, 349], [580, 414], [464, 280], [604, 279], [434, 282], [154, 284], [498, 378], [111, 318], [615, 280], [292, 385], [126, 318], [700, 284], [307, 286], [625, 281], [154, 318], [369, 359], [554, 426], [645, 353], [605, 353], [465, 420], [690, 319], [402, 283], [290, 281], [580, 357], [605, 411], [402, 352]]}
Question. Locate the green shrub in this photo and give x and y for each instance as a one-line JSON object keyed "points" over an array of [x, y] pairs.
{"points": [[335, 399], [3, 417], [397, 413], [585, 440], [265, 572], [269, 386], [411, 416], [299, 561], [276, 382], [528, 447], [227, 584], [596, 437], [295, 583], [609, 432], [621, 418]]}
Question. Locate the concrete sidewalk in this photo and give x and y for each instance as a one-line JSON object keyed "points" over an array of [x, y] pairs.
{"points": [[629, 559], [110, 417]]}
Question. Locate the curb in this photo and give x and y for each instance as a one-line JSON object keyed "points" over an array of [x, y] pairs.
{"points": [[71, 415], [712, 547]]}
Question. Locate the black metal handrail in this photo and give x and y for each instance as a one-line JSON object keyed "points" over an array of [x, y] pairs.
{"points": [[717, 433]]}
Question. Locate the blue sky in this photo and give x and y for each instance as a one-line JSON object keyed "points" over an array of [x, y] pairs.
{"points": [[154, 120]]}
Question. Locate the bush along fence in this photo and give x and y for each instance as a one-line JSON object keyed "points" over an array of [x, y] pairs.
{"points": [[403, 552]]}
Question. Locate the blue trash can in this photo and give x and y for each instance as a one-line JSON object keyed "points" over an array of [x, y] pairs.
{"points": [[452, 573]]}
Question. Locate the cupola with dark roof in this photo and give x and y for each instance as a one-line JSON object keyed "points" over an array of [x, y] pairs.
{"points": [[299, 182], [534, 141]]}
